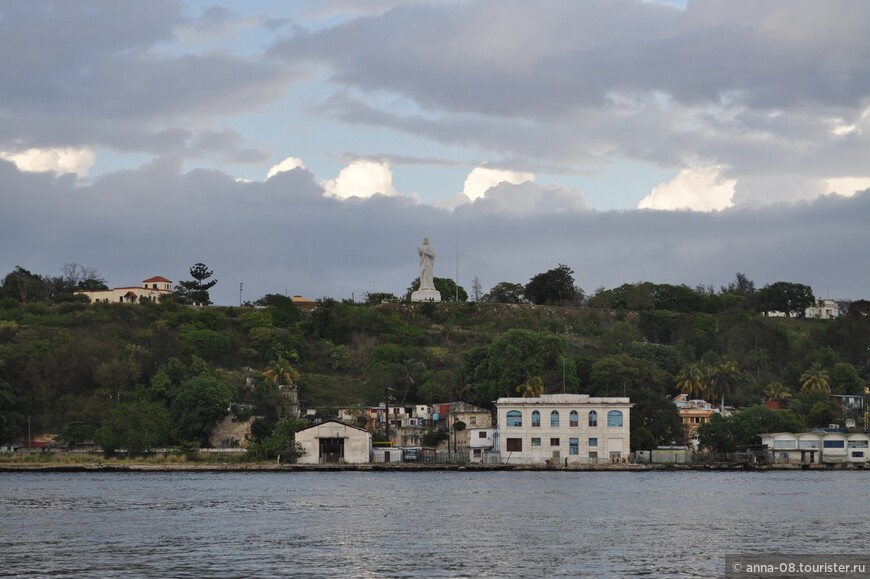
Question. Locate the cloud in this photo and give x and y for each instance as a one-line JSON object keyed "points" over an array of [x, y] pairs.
{"points": [[527, 199], [479, 181], [287, 164], [847, 186], [283, 234], [482, 179], [769, 90], [361, 179], [106, 75], [697, 189], [59, 161]]}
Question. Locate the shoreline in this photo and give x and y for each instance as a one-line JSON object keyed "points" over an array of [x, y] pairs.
{"points": [[405, 467]]}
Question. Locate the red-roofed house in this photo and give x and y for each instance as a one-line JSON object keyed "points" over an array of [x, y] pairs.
{"points": [[154, 289]]}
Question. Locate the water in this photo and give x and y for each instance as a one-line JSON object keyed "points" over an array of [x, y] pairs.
{"points": [[429, 524]]}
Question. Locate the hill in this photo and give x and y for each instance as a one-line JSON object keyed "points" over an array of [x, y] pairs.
{"points": [[74, 367]]}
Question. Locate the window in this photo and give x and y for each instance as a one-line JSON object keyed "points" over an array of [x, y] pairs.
{"points": [[808, 444], [573, 419], [554, 419], [472, 420], [536, 418], [835, 444], [514, 418], [481, 434], [536, 442], [783, 444], [593, 442], [574, 446], [614, 418], [593, 418], [514, 444], [857, 454], [859, 443], [554, 442], [477, 453]]}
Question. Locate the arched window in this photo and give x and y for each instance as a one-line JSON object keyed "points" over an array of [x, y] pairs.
{"points": [[593, 418], [536, 418], [614, 418], [574, 418], [554, 419], [514, 418]]}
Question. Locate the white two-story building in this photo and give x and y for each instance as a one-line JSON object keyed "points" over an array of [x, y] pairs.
{"points": [[563, 428]]}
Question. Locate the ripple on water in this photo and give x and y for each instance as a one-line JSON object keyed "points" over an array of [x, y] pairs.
{"points": [[528, 524]]}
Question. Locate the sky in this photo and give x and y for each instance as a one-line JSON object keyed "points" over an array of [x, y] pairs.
{"points": [[306, 148]]}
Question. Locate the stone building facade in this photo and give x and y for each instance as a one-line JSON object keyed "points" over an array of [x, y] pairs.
{"points": [[563, 429]]}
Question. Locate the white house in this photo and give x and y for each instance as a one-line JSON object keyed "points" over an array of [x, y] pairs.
{"points": [[334, 442], [818, 447], [480, 442], [154, 289], [564, 428], [823, 310]]}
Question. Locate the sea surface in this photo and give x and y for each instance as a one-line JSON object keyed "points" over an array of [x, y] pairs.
{"points": [[429, 524]]}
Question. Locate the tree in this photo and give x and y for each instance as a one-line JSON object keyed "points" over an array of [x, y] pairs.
{"points": [[692, 381], [741, 285], [445, 285], [722, 377], [816, 379], [533, 387], [740, 430], [281, 443], [656, 414], [379, 297], [553, 287], [790, 298], [198, 405], [513, 356], [476, 289], [506, 293], [136, 427], [195, 291], [22, 285], [844, 379], [858, 309], [777, 391], [280, 372]]}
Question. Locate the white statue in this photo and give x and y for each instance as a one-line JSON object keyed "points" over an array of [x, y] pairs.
{"points": [[427, 263], [426, 292]]}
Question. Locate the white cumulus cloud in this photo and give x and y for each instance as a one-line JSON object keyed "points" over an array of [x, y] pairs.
{"points": [[59, 161], [697, 189], [287, 164], [847, 186], [361, 179], [482, 179]]}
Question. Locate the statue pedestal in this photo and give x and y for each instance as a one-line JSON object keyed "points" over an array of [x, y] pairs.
{"points": [[426, 295]]}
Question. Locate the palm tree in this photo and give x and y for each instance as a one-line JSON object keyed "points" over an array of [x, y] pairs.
{"points": [[533, 387], [280, 372], [723, 377], [816, 379], [777, 391], [692, 381]]}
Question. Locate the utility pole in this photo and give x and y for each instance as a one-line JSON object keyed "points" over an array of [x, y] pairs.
{"points": [[240, 294], [387, 407]]}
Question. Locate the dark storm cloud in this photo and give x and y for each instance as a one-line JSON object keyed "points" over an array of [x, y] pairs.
{"points": [[103, 74], [283, 235]]}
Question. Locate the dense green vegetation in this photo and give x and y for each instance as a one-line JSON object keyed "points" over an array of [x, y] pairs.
{"points": [[139, 376]]}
